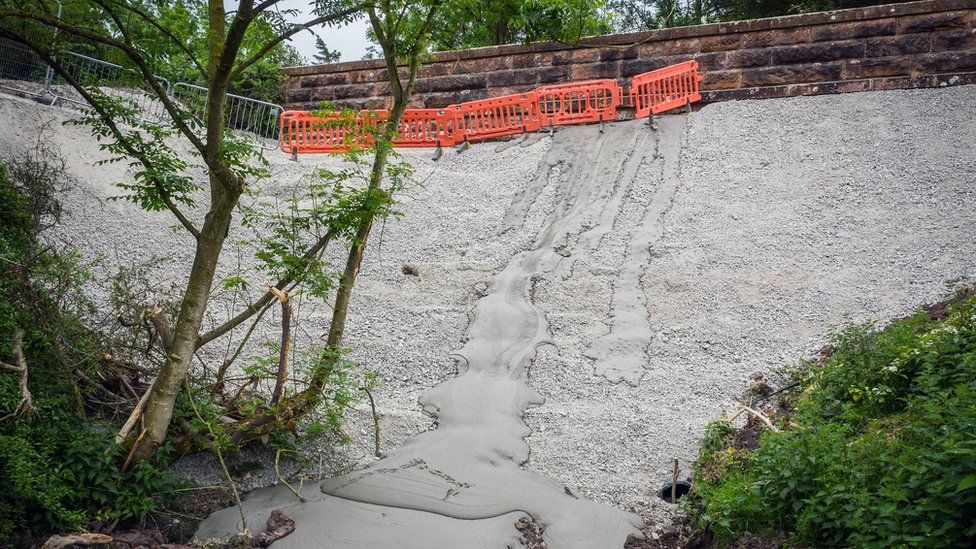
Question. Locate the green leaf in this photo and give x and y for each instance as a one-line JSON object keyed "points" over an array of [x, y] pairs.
{"points": [[968, 482]]}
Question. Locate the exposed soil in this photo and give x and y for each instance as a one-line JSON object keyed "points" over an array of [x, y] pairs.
{"points": [[531, 533], [940, 310], [678, 534]]}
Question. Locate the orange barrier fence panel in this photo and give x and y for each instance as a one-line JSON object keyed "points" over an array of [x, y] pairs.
{"points": [[496, 117], [574, 103], [664, 89], [426, 128], [304, 132], [579, 102]]}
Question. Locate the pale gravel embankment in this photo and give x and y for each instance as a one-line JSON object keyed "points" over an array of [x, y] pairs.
{"points": [[788, 215]]}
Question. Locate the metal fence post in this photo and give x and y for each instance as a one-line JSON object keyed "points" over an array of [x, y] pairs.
{"points": [[49, 73]]}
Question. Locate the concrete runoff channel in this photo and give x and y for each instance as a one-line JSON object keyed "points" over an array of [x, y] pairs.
{"points": [[469, 468]]}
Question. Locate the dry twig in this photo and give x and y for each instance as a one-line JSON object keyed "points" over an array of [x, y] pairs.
{"points": [[220, 458], [743, 408], [376, 421], [281, 479]]}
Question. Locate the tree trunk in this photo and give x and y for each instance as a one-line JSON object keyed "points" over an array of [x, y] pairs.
{"points": [[162, 396]]}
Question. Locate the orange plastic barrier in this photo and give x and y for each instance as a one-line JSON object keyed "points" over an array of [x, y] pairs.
{"points": [[664, 89], [579, 102], [303, 132], [426, 128], [574, 103], [487, 118]]}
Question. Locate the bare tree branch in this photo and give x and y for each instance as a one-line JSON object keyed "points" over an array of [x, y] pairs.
{"points": [[241, 67], [25, 407]]}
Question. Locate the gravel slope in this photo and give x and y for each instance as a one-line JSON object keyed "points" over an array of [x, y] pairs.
{"points": [[787, 215], [791, 214]]}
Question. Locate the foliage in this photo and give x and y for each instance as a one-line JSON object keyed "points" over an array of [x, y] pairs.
{"points": [[324, 54], [159, 171], [635, 15], [880, 449], [59, 469], [187, 19], [493, 22], [290, 236]]}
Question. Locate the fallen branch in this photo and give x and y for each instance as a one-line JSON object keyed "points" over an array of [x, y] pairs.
{"points": [[134, 416], [279, 525], [82, 538], [756, 413], [26, 404], [165, 335]]}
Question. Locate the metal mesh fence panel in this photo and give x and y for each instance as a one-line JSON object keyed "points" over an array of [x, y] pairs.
{"points": [[120, 83], [23, 72], [240, 113]]}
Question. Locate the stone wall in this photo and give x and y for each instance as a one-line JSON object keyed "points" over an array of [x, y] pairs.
{"points": [[916, 44]]}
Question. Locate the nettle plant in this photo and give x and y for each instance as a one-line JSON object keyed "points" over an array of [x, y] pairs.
{"points": [[288, 238]]}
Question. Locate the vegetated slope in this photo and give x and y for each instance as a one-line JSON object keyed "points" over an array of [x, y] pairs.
{"points": [[876, 444], [784, 216]]}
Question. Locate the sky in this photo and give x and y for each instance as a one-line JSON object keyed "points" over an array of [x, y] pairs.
{"points": [[349, 40]]}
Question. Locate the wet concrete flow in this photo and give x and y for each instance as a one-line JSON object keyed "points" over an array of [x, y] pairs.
{"points": [[462, 484]]}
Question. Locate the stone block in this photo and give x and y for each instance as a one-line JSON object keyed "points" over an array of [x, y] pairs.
{"points": [[522, 61], [929, 22], [877, 67], [898, 45], [954, 40], [853, 29], [450, 83], [594, 71], [512, 78], [717, 80], [721, 42], [637, 66], [440, 100], [777, 37], [818, 52], [790, 74], [945, 61]]}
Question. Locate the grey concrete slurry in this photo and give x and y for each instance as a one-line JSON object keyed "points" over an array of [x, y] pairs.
{"points": [[621, 355], [469, 468]]}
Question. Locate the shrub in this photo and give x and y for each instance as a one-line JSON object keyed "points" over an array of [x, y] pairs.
{"points": [[880, 449], [60, 469]]}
